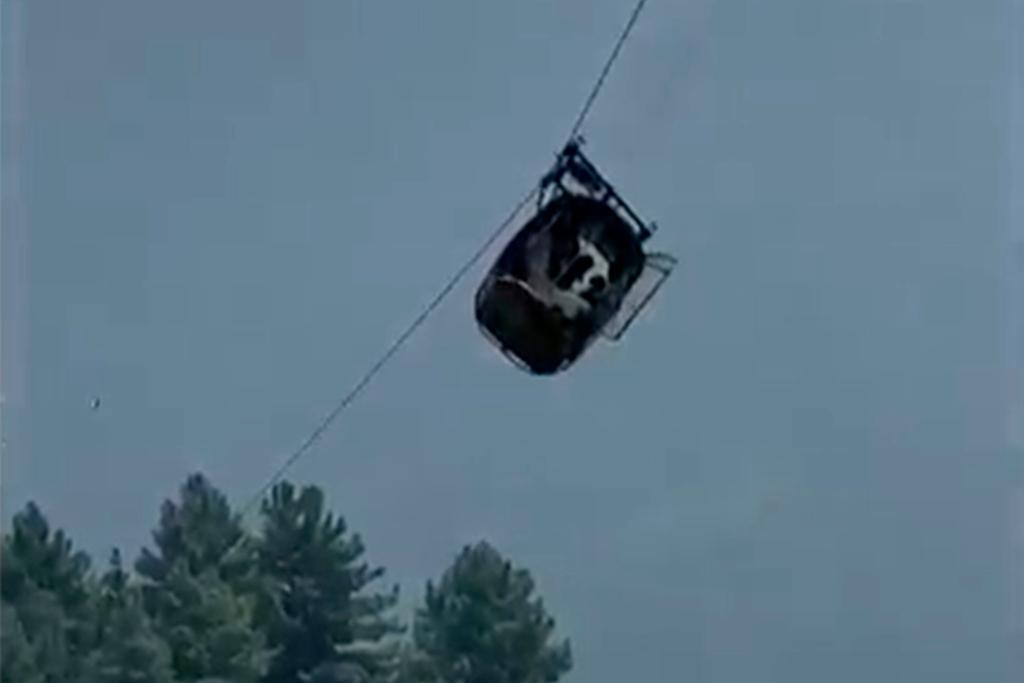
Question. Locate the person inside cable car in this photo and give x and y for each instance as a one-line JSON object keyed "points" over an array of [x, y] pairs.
{"points": [[564, 276]]}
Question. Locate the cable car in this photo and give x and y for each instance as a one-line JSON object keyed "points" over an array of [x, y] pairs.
{"points": [[574, 271]]}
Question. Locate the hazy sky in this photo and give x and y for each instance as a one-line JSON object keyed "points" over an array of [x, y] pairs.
{"points": [[796, 466]]}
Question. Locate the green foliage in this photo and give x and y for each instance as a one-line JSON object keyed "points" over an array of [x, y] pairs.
{"points": [[322, 615], [19, 659], [128, 650], [296, 604], [197, 533], [481, 624], [339, 672], [200, 591], [111, 596], [44, 586], [44, 629]]}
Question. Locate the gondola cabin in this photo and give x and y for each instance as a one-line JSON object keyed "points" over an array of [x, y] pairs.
{"points": [[576, 270]]}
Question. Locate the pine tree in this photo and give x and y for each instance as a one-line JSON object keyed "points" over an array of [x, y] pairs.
{"points": [[210, 628], [325, 626], [44, 586], [481, 624], [19, 659], [200, 532], [201, 589], [127, 650], [111, 596]]}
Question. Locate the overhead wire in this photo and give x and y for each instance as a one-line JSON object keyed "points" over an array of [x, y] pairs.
{"points": [[599, 84], [385, 358]]}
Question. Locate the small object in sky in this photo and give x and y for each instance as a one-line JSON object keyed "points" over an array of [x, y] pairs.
{"points": [[577, 269], [95, 403]]}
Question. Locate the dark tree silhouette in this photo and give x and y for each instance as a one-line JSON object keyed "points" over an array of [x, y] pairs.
{"points": [[324, 614], [209, 603], [482, 624], [201, 588], [44, 584]]}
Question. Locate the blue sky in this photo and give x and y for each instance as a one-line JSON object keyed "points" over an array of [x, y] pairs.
{"points": [[795, 467]]}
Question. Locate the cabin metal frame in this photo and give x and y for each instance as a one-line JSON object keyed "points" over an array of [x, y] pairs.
{"points": [[573, 179], [573, 167]]}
